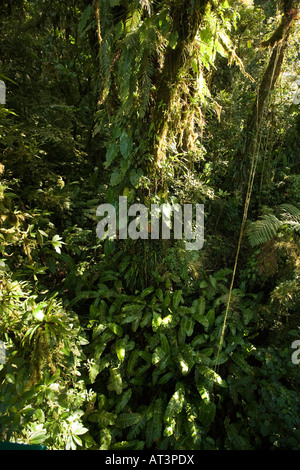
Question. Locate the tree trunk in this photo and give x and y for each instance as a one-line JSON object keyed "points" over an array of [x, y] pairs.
{"points": [[279, 42], [186, 22]]}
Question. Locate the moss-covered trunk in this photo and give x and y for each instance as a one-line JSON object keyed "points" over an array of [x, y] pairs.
{"points": [[186, 19]]}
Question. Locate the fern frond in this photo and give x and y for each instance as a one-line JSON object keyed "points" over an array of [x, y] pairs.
{"points": [[263, 230], [133, 19], [290, 211], [291, 215]]}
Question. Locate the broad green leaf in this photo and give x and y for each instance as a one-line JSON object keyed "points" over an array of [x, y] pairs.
{"points": [[203, 284], [158, 355], [146, 320], [166, 378], [159, 294], [132, 361], [38, 314], [116, 177], [211, 317], [135, 177], [175, 404], [124, 400], [147, 356], [173, 39], [39, 436], [156, 320], [120, 349], [187, 326], [183, 364], [98, 330], [93, 372], [177, 296], [239, 442], [204, 321], [203, 392], [125, 144], [167, 321], [207, 351], [206, 35], [84, 19], [247, 315], [198, 341], [195, 432], [222, 358], [201, 305], [164, 343], [211, 375], [127, 419], [147, 291], [170, 428], [241, 362], [115, 381], [111, 154], [141, 423], [10, 378], [103, 418], [117, 329], [206, 412], [78, 429], [102, 401]]}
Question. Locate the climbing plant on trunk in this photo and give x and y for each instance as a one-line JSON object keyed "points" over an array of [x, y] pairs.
{"points": [[154, 60]]}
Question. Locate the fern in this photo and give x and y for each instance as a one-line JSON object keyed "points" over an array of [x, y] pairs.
{"points": [[291, 216], [266, 228], [263, 230]]}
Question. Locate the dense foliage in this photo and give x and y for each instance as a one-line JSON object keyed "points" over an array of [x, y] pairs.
{"points": [[141, 344]]}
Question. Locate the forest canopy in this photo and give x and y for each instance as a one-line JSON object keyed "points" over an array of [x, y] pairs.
{"points": [[137, 343]]}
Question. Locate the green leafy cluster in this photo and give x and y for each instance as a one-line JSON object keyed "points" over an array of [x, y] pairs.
{"points": [[42, 392], [123, 344], [152, 363]]}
